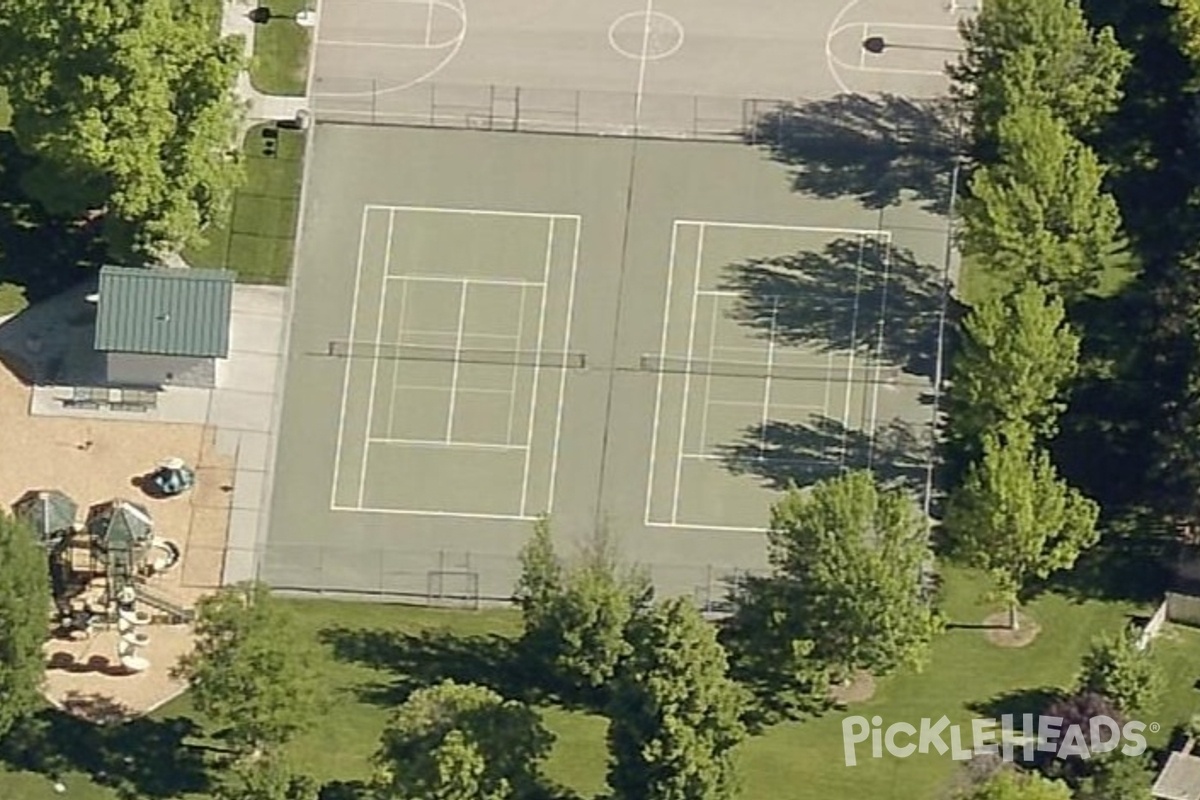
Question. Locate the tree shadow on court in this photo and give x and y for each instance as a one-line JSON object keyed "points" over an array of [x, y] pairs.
{"points": [[784, 454], [853, 295], [880, 150]]}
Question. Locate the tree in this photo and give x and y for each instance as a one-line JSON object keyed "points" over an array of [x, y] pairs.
{"points": [[1039, 213], [461, 742], [1041, 53], [1118, 777], [849, 558], [24, 621], [252, 671], [133, 102], [1009, 784], [675, 714], [1118, 669], [1185, 25], [1013, 516], [1018, 353], [575, 616], [267, 778]]}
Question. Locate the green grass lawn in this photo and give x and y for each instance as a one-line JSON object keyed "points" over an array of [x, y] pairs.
{"points": [[376, 653], [5, 110], [258, 238], [280, 63]]}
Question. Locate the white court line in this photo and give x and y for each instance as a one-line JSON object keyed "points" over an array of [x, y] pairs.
{"points": [[429, 24], [440, 445], [562, 378], [337, 454], [828, 385], [396, 367], [853, 350], [643, 62], [910, 26], [683, 526], [476, 212], [412, 512], [458, 339], [770, 227], [387, 262], [662, 349], [712, 339], [862, 51], [718, 293], [537, 370], [458, 279], [766, 401], [687, 377], [516, 371], [887, 271]]}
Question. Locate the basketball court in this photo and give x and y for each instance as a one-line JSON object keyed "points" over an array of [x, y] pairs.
{"points": [[663, 67]]}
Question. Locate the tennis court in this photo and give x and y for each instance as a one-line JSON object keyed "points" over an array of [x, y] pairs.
{"points": [[643, 336], [454, 315]]}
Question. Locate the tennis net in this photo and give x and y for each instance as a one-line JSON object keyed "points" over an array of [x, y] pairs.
{"points": [[866, 371], [409, 352]]}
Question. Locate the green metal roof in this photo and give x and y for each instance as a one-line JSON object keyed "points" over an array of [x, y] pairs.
{"points": [[49, 512], [178, 312]]}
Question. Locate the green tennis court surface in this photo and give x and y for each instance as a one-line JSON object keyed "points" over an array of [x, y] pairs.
{"points": [[647, 336]]}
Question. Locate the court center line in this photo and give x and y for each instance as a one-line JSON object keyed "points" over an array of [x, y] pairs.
{"points": [[459, 280], [396, 367], [502, 336], [643, 63], [458, 340], [718, 293], [387, 261], [757, 404], [438, 444], [712, 339], [887, 270], [683, 526], [537, 369], [562, 378], [687, 377], [429, 24], [658, 392], [337, 455], [853, 348], [766, 401], [516, 370]]}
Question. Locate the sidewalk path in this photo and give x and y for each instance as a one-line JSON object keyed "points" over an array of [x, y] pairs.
{"points": [[259, 107]]}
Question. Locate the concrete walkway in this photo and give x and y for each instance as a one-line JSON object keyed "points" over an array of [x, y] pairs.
{"points": [[259, 107]]}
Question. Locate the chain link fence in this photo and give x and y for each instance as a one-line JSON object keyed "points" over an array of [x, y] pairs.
{"points": [[541, 110], [447, 578]]}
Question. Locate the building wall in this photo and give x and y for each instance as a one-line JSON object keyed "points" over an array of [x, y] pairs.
{"points": [[138, 369]]}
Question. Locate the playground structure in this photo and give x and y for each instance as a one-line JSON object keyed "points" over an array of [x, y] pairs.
{"points": [[98, 570]]}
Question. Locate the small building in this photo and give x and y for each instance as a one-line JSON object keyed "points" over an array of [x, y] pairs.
{"points": [[1180, 777], [158, 327]]}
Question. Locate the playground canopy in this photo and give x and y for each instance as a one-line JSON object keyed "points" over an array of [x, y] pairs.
{"points": [[51, 513], [119, 524]]}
